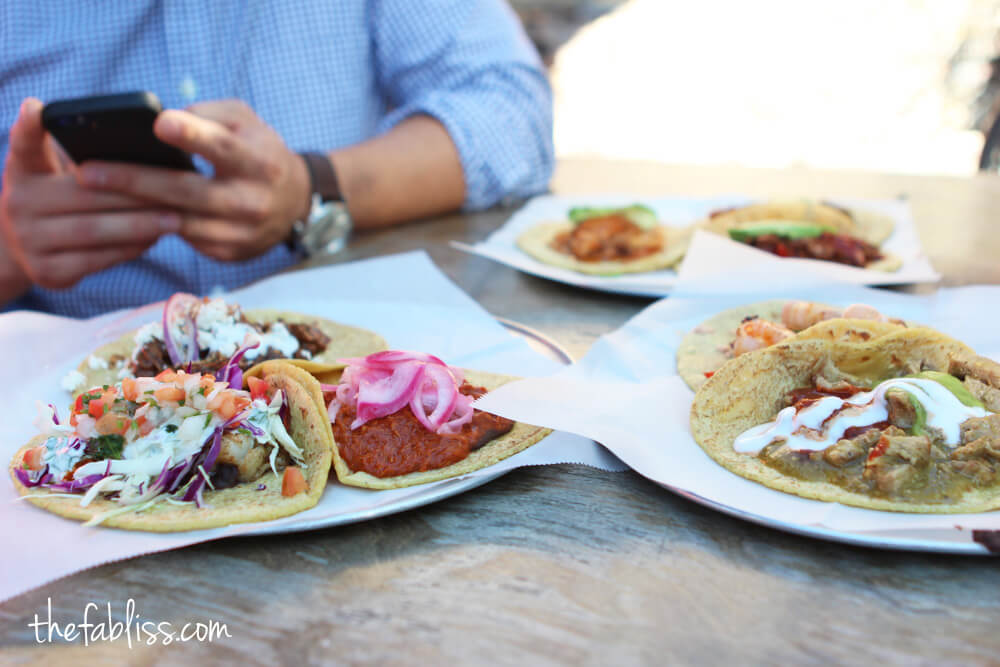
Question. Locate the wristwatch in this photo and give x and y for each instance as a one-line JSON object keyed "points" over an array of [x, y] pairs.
{"points": [[329, 224]]}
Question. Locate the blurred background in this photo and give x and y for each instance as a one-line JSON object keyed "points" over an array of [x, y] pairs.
{"points": [[892, 85]]}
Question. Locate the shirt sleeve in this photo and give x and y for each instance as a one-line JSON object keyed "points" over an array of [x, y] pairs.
{"points": [[468, 64]]}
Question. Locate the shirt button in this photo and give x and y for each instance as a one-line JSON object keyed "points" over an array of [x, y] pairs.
{"points": [[188, 89]]}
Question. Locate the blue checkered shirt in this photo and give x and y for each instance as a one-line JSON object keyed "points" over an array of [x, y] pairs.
{"points": [[324, 74]]}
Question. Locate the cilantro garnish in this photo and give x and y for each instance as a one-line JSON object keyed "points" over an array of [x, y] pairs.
{"points": [[108, 446]]}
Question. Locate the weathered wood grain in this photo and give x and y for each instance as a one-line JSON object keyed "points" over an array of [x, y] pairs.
{"points": [[565, 564]]}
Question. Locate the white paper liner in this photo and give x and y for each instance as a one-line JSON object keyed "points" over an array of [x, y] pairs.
{"points": [[626, 394], [714, 256], [405, 298]]}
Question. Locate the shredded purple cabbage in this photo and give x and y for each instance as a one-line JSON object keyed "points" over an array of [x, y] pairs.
{"points": [[207, 463], [231, 372], [55, 414], [284, 411], [24, 477]]}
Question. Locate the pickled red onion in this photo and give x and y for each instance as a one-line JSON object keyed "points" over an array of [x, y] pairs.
{"points": [[181, 306], [384, 382]]}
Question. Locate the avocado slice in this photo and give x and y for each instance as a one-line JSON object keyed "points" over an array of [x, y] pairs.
{"points": [[642, 216], [783, 228], [952, 384]]}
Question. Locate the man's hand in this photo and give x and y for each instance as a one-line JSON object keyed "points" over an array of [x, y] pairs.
{"points": [[259, 188], [55, 231]]}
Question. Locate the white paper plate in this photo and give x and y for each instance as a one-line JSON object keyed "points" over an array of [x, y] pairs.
{"points": [[954, 541], [501, 245]]}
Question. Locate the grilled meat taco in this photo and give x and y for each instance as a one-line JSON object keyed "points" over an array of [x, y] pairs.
{"points": [[743, 329], [907, 422], [810, 230], [181, 451], [607, 241], [200, 335], [404, 418]]}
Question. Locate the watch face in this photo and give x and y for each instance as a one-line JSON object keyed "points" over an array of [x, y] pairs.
{"points": [[327, 229]]}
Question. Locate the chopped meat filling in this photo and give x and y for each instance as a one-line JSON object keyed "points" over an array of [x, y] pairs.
{"points": [[608, 238], [153, 358], [848, 450], [838, 248], [897, 461]]}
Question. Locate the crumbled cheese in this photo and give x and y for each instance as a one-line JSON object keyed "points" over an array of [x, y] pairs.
{"points": [[97, 363], [73, 381]]}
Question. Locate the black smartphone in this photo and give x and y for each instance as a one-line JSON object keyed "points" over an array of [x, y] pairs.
{"points": [[115, 128]]}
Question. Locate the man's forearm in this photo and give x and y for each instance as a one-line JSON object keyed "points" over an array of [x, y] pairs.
{"points": [[411, 171]]}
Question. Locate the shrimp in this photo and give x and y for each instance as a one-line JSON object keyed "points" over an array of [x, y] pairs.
{"points": [[754, 334], [860, 311], [799, 315]]}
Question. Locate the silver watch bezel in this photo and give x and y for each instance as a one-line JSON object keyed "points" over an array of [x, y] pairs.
{"points": [[325, 230]]}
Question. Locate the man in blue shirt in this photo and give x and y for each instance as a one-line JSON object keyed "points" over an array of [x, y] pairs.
{"points": [[421, 108]]}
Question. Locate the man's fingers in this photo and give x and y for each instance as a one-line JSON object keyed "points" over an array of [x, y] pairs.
{"points": [[65, 269], [215, 231], [228, 113], [28, 151], [79, 232], [227, 240], [229, 152], [180, 189], [42, 195]]}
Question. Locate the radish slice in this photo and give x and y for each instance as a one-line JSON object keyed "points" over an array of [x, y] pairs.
{"points": [[180, 333]]}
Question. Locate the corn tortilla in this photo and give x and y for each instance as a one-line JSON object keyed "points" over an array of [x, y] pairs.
{"points": [[345, 341], [706, 347], [537, 241], [519, 438], [751, 389], [867, 225], [242, 503]]}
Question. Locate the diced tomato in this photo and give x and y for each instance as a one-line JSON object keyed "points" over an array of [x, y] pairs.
{"points": [[165, 394], [145, 426], [166, 375], [78, 404], [879, 448], [709, 374], [130, 389], [292, 482], [96, 408], [112, 423], [72, 419], [258, 387], [782, 250], [231, 405], [33, 458]]}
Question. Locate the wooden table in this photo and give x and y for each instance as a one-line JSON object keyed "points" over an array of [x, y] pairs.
{"points": [[566, 564]]}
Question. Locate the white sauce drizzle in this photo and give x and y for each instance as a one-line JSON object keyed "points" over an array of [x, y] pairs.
{"points": [[805, 431]]}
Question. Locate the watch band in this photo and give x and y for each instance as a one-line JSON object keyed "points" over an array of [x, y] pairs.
{"points": [[322, 177]]}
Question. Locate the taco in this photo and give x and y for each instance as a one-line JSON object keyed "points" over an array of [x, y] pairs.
{"points": [[607, 241], [404, 418], [754, 326], [811, 230], [200, 335], [182, 451], [907, 422]]}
